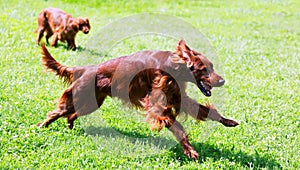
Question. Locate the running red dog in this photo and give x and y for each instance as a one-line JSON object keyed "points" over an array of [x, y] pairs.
{"points": [[61, 25], [153, 80]]}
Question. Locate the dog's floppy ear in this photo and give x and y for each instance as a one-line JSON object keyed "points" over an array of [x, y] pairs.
{"points": [[87, 23], [83, 20], [184, 54], [87, 20], [74, 25]]}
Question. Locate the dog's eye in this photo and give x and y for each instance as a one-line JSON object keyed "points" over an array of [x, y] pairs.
{"points": [[192, 68]]}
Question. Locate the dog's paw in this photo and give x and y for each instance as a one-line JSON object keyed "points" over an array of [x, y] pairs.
{"points": [[228, 122], [40, 125], [191, 154], [70, 125]]}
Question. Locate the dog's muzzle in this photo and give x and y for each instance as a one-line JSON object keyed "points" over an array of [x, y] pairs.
{"points": [[205, 88]]}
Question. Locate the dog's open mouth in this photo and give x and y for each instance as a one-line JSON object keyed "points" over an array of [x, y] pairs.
{"points": [[205, 88]]}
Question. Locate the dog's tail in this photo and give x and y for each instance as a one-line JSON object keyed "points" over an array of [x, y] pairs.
{"points": [[64, 72]]}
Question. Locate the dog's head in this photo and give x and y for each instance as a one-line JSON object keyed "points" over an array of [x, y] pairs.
{"points": [[84, 25], [200, 67]]}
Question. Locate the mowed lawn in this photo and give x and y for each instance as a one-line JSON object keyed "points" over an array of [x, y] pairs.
{"points": [[257, 44]]}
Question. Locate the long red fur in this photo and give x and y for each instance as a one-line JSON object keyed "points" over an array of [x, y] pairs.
{"points": [[152, 80]]}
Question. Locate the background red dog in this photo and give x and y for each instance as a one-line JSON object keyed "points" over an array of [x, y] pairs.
{"points": [[61, 25]]}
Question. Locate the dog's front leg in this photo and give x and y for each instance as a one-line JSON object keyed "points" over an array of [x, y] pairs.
{"points": [[54, 40], [71, 44], [177, 129], [201, 112]]}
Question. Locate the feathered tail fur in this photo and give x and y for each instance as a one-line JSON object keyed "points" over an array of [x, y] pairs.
{"points": [[64, 72]]}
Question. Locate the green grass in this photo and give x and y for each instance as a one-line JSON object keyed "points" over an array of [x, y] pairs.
{"points": [[257, 43]]}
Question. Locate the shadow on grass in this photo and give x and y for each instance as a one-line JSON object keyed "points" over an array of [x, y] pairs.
{"points": [[91, 52], [65, 46], [83, 51], [210, 151], [205, 150], [131, 136], [60, 45], [80, 49]]}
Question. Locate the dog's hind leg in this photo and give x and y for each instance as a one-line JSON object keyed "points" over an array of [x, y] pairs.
{"points": [[74, 105], [86, 97], [52, 116], [71, 119], [48, 35], [40, 32], [65, 107], [83, 111]]}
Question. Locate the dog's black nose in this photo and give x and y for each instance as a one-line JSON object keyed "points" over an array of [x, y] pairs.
{"points": [[221, 82]]}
